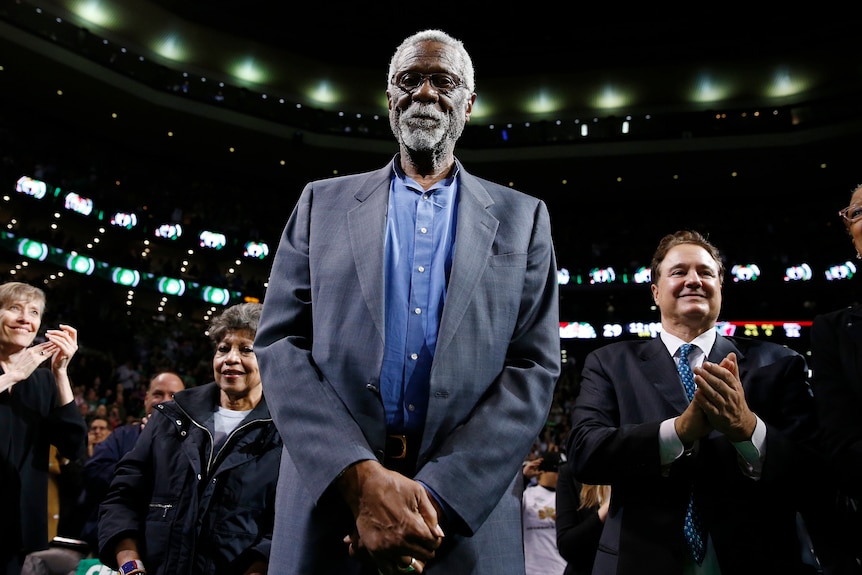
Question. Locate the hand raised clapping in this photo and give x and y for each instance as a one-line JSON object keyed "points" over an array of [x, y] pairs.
{"points": [[20, 365]]}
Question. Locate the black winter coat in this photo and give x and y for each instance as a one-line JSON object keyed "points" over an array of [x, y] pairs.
{"points": [[193, 509]]}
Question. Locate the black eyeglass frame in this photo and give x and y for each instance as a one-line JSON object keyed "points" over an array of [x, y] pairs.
{"points": [[439, 81]]}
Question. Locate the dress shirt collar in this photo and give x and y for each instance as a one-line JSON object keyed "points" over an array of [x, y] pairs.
{"points": [[446, 184], [704, 342]]}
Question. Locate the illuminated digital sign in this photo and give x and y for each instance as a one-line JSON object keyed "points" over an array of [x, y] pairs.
{"points": [[645, 330]]}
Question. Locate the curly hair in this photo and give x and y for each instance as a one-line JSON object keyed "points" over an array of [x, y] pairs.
{"points": [[239, 317]]}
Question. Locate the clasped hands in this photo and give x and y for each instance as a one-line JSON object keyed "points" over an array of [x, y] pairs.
{"points": [[396, 519], [718, 404]]}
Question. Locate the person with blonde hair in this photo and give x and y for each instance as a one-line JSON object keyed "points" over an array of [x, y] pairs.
{"points": [[37, 410]]}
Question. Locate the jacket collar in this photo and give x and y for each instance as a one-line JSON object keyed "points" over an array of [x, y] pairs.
{"points": [[201, 401]]}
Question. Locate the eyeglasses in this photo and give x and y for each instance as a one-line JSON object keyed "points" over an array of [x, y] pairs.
{"points": [[851, 214], [442, 82]]}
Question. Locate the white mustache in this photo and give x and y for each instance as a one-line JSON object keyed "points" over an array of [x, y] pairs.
{"points": [[423, 112]]}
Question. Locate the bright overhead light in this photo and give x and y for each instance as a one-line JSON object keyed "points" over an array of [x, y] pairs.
{"points": [[248, 70], [611, 97], [785, 84], [708, 90], [94, 11], [323, 93], [543, 103], [171, 47]]}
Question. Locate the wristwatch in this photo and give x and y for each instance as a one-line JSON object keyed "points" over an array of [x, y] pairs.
{"points": [[134, 566]]}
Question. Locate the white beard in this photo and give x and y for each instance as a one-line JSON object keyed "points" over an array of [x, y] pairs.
{"points": [[422, 128]]}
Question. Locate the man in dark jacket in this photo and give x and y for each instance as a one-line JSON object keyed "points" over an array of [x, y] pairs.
{"points": [[99, 469]]}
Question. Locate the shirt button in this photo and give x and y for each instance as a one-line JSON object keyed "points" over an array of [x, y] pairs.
{"points": [[411, 407], [414, 356], [424, 196], [423, 230], [417, 311], [421, 268]]}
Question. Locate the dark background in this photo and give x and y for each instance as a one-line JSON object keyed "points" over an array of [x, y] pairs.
{"points": [[765, 192]]}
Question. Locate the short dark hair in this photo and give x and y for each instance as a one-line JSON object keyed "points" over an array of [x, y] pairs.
{"points": [[679, 238], [93, 417]]}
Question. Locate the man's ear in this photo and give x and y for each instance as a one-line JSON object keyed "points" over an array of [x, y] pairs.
{"points": [[470, 101]]}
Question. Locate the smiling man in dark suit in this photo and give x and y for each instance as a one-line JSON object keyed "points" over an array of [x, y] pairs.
{"points": [[740, 450]]}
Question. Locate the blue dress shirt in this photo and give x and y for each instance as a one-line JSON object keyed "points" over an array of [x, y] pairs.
{"points": [[420, 238]]}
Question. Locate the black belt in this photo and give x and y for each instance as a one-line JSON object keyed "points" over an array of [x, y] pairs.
{"points": [[401, 451]]}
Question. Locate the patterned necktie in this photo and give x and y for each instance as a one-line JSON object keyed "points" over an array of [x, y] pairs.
{"points": [[694, 532]]}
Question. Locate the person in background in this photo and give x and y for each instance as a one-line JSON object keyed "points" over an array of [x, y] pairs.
{"points": [[539, 519], [836, 360], [99, 431], [72, 480], [127, 375], [531, 470], [98, 471], [581, 513], [743, 451], [196, 493], [410, 347], [37, 410]]}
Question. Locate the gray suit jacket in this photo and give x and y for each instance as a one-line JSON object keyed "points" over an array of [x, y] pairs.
{"points": [[320, 347]]}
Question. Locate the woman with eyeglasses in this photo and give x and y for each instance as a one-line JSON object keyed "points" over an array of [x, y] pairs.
{"points": [[836, 361]]}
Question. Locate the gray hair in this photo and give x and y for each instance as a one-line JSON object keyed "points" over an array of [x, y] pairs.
{"points": [[239, 317], [465, 71]]}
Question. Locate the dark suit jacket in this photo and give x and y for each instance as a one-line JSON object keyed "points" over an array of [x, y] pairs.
{"points": [[98, 473], [627, 390], [320, 346], [836, 348], [578, 530]]}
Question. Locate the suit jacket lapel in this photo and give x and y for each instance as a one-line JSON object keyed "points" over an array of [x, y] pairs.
{"points": [[474, 235], [724, 346], [367, 228], [660, 370]]}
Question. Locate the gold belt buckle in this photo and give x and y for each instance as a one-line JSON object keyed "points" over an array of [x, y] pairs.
{"points": [[403, 440]]}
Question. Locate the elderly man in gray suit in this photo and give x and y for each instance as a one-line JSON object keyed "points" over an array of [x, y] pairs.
{"points": [[409, 346]]}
